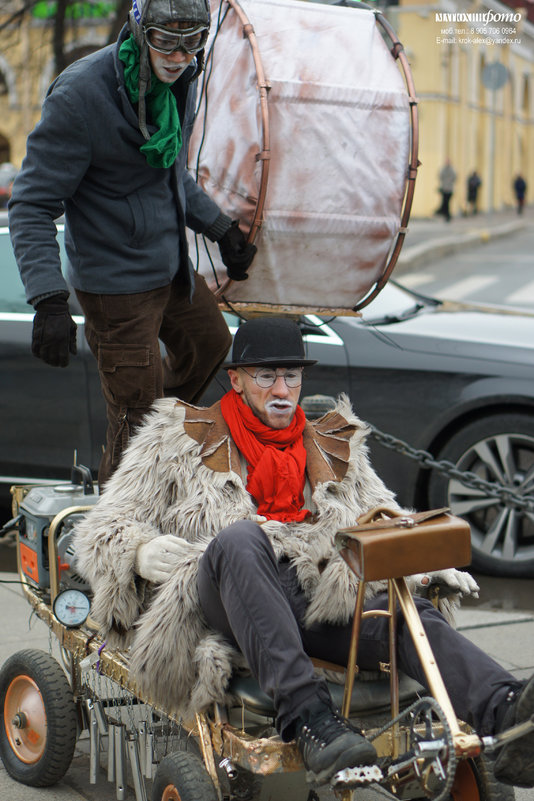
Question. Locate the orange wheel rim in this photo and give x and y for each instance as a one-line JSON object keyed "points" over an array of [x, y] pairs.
{"points": [[465, 787], [170, 793], [25, 719]]}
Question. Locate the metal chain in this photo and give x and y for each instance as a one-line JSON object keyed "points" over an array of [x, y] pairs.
{"points": [[505, 495], [404, 714], [411, 712]]}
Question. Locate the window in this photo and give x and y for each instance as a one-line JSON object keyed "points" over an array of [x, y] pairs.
{"points": [[12, 295], [12, 298]]}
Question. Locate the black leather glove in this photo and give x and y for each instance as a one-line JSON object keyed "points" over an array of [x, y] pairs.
{"points": [[236, 252], [54, 331]]}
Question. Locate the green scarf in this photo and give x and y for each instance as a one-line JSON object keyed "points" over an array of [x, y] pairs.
{"points": [[163, 146]]}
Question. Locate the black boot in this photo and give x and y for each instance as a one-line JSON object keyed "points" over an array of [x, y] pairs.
{"points": [[328, 743], [515, 762]]}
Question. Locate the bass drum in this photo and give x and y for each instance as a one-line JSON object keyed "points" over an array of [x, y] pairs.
{"points": [[307, 134]]}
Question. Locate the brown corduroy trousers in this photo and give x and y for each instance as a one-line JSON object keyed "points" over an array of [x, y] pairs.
{"points": [[124, 333]]}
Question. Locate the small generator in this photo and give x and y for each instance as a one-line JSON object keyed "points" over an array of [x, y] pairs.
{"points": [[36, 511]]}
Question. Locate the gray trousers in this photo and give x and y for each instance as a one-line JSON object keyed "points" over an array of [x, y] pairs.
{"points": [[257, 603]]}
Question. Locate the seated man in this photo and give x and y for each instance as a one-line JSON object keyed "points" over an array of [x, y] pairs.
{"points": [[213, 541]]}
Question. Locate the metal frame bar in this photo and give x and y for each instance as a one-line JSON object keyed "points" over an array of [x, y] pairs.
{"points": [[52, 546], [424, 652], [398, 592]]}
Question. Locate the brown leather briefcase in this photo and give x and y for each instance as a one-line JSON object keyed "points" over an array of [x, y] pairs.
{"points": [[389, 544]]}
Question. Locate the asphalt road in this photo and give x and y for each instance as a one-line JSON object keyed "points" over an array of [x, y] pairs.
{"points": [[500, 272], [497, 622]]}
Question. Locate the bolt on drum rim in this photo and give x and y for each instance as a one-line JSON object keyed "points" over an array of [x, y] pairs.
{"points": [[25, 719]]}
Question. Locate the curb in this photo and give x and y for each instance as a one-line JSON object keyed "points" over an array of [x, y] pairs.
{"points": [[417, 255]]}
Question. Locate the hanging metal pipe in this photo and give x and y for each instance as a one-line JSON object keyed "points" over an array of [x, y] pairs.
{"points": [[120, 762], [137, 776]]}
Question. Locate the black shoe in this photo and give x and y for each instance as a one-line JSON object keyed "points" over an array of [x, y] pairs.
{"points": [[515, 762], [328, 743]]}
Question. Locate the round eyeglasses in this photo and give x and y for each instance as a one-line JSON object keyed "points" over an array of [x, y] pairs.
{"points": [[266, 378], [163, 40]]}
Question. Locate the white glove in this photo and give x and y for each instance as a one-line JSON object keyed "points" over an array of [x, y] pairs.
{"points": [[156, 560], [456, 581]]}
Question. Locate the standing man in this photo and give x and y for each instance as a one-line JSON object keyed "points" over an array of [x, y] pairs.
{"points": [[474, 183], [520, 190], [110, 153], [231, 512], [447, 179]]}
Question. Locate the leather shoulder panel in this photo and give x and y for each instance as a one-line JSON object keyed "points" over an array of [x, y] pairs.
{"points": [[327, 443], [208, 427]]}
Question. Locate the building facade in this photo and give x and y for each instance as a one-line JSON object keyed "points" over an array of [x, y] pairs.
{"points": [[473, 69], [27, 61]]}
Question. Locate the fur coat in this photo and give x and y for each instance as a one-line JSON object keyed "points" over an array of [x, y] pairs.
{"points": [[182, 474]]}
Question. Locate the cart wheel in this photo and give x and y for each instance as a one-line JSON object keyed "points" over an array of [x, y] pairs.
{"points": [[474, 781], [182, 777], [37, 719]]}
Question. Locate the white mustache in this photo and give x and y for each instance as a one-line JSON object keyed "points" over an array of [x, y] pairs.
{"points": [[275, 405]]}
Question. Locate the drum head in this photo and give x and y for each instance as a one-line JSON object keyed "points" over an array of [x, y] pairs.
{"points": [[304, 134]]}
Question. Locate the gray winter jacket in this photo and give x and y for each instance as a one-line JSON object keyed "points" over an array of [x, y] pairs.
{"points": [[125, 221]]}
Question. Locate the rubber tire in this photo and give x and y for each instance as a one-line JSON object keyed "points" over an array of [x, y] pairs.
{"points": [[60, 714], [475, 782], [186, 774], [438, 488]]}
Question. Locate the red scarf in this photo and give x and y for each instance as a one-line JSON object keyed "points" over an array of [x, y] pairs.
{"points": [[276, 459]]}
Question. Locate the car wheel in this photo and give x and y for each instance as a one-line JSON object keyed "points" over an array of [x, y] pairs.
{"points": [[498, 448], [38, 722]]}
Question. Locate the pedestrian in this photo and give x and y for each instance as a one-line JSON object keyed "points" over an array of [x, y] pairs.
{"points": [[110, 152], [474, 183], [520, 190], [447, 179], [231, 512]]}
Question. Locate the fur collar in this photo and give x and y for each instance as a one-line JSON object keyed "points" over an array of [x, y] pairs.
{"points": [[327, 443]]}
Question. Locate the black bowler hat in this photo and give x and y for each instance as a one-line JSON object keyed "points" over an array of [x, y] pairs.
{"points": [[269, 341]]}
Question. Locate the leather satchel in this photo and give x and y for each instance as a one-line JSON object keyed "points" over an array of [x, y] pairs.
{"points": [[387, 543]]}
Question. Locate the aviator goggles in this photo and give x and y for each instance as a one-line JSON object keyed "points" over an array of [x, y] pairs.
{"points": [[163, 40], [265, 378]]}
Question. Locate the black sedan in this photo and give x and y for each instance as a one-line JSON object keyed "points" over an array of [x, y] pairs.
{"points": [[454, 383]]}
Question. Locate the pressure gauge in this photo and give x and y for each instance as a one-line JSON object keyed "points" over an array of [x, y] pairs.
{"points": [[71, 607]]}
